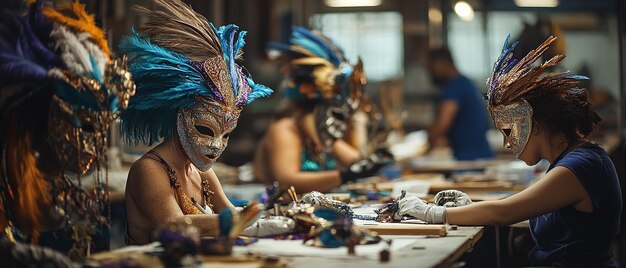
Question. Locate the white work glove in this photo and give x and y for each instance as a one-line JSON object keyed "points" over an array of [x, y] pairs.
{"points": [[270, 226], [419, 209], [452, 198]]}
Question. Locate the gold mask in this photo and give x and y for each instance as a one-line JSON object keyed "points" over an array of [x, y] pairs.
{"points": [[78, 131], [514, 122]]}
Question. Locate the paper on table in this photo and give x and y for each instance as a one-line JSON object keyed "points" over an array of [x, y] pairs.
{"points": [[296, 248]]}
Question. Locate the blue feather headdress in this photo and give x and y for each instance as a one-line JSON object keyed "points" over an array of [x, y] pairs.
{"points": [[178, 59], [319, 69], [512, 79]]}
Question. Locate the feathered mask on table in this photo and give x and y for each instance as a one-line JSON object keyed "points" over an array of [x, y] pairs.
{"points": [[188, 77], [514, 82], [63, 91]]}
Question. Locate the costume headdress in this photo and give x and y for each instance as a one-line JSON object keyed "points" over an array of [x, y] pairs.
{"points": [[515, 81], [56, 70], [180, 63], [319, 69]]}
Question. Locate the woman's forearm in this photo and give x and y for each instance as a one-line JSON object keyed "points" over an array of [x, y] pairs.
{"points": [[481, 213], [321, 181]]}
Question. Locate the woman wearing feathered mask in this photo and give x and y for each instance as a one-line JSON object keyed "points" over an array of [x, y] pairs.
{"points": [[191, 90], [575, 208], [306, 146]]}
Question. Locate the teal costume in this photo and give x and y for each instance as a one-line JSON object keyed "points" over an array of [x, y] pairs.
{"points": [[308, 163]]}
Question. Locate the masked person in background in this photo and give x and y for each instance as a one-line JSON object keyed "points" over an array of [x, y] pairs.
{"points": [[62, 91], [305, 147], [574, 209], [191, 89]]}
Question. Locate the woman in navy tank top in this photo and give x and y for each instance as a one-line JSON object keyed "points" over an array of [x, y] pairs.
{"points": [[574, 209]]}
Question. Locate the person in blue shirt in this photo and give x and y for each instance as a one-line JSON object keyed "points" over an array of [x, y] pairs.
{"points": [[462, 117], [575, 208]]}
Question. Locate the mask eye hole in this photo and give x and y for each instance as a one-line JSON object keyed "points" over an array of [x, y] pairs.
{"points": [[507, 131], [205, 130], [227, 135], [87, 128], [338, 115]]}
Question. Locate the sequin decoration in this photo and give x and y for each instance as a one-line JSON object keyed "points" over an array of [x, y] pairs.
{"points": [[204, 130], [514, 121], [317, 199]]}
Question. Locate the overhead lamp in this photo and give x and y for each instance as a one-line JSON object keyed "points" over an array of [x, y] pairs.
{"points": [[353, 3], [434, 15], [464, 10], [536, 3]]}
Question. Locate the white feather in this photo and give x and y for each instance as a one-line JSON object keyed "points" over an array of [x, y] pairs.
{"points": [[94, 50], [73, 52]]}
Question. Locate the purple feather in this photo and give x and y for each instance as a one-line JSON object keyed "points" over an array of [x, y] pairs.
{"points": [[16, 70], [40, 51], [231, 60], [38, 23], [243, 97], [19, 59], [207, 80]]}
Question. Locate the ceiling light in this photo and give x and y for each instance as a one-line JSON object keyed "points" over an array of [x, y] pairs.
{"points": [[434, 15], [353, 3], [464, 10], [536, 3]]}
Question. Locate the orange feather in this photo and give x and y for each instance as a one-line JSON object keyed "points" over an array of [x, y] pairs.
{"points": [[31, 193], [82, 22]]}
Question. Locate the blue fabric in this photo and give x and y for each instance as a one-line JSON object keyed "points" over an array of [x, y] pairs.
{"points": [[307, 163], [568, 237], [467, 135]]}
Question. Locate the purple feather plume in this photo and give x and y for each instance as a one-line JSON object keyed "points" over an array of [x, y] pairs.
{"points": [[243, 97], [23, 56], [207, 81]]}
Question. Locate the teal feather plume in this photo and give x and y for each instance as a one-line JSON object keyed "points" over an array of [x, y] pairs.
{"points": [[226, 35], [258, 91], [166, 82]]}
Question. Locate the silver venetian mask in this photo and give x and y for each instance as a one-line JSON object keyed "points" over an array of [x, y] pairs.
{"points": [[332, 119], [204, 129], [514, 121], [333, 115]]}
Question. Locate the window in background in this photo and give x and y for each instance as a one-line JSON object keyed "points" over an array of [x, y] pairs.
{"points": [[472, 49], [590, 45], [376, 37]]}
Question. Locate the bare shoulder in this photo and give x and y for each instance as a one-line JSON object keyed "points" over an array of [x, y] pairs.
{"points": [[147, 172], [282, 125], [285, 128]]}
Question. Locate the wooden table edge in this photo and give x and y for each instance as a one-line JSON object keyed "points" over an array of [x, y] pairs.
{"points": [[462, 249]]}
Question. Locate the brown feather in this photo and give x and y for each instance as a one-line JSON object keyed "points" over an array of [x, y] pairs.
{"points": [[524, 79], [174, 25]]}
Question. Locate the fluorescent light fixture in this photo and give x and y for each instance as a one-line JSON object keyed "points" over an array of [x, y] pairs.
{"points": [[434, 15], [536, 3], [353, 3], [464, 10]]}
